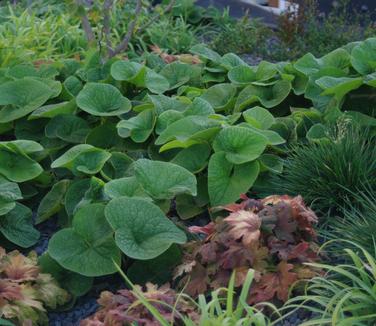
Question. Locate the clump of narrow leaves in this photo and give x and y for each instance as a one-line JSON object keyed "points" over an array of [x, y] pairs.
{"points": [[24, 291], [274, 236], [125, 307]]}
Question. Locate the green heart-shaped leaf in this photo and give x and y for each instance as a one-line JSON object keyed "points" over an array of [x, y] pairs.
{"points": [[268, 96], [88, 248], [17, 226], [363, 57], [102, 100], [240, 144], [124, 187], [259, 117], [9, 193], [142, 231], [220, 96], [53, 201], [226, 181], [82, 158], [15, 164], [163, 180], [22, 97], [67, 127], [139, 127]]}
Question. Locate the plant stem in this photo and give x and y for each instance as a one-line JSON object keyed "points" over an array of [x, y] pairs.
{"points": [[123, 46]]}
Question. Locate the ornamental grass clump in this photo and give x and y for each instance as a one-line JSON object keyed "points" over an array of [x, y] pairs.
{"points": [[330, 173], [25, 293], [273, 236], [345, 295]]}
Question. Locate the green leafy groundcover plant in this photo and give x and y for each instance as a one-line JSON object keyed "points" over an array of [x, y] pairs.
{"points": [[113, 147]]}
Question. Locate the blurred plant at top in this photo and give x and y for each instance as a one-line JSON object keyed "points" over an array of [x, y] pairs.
{"points": [[174, 35], [345, 295], [328, 173], [24, 291], [274, 236], [25, 36], [241, 36], [307, 30]]}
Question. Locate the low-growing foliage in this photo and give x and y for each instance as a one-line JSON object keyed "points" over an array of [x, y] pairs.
{"points": [[274, 236], [25, 292], [163, 306], [126, 142], [345, 295], [358, 221]]}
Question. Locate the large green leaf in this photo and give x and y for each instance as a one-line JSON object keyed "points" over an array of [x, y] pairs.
{"points": [[259, 117], [268, 96], [166, 118], [67, 127], [158, 270], [53, 201], [205, 53], [338, 87], [140, 76], [139, 127], [22, 97], [52, 110], [226, 181], [142, 231], [117, 166], [184, 128], [74, 283], [88, 248], [17, 226], [243, 75], [15, 164], [124, 187], [131, 72], [163, 180], [199, 106], [9, 193], [194, 158], [309, 65], [155, 82], [102, 100], [363, 57], [177, 73], [240, 144], [104, 136], [82, 158], [220, 96], [75, 193]]}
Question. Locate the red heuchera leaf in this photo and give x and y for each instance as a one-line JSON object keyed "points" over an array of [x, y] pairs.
{"points": [[274, 284], [207, 229], [244, 225], [20, 269], [24, 291], [124, 308], [285, 251], [266, 235], [9, 291]]}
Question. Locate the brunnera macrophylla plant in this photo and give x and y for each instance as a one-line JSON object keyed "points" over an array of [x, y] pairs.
{"points": [[274, 236], [81, 137], [25, 292]]}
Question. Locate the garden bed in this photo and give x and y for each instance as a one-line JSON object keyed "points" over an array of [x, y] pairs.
{"points": [[147, 177]]}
